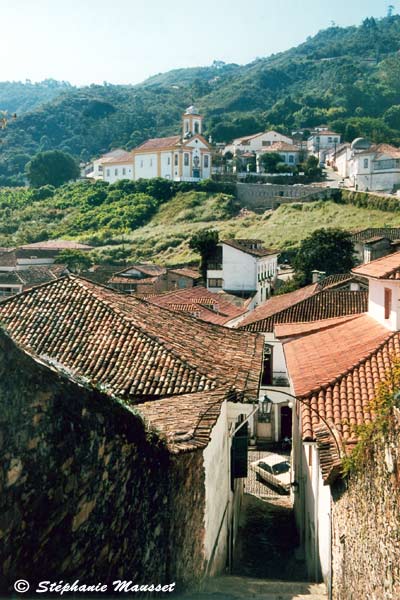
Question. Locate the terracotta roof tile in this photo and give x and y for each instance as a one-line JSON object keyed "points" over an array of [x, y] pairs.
{"points": [[319, 358], [128, 347], [279, 303], [281, 147], [210, 306], [337, 371], [186, 421], [248, 246], [387, 267], [123, 157], [339, 280], [322, 305], [158, 143], [145, 268], [186, 272], [292, 330]]}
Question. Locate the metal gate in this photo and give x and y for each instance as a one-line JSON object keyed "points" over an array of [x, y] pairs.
{"points": [[253, 484]]}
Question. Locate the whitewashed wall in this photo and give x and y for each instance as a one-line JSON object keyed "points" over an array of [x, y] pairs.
{"points": [[376, 303], [146, 165], [113, 173], [217, 484], [239, 270]]}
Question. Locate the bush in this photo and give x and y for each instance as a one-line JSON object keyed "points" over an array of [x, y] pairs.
{"points": [[42, 193], [368, 200]]}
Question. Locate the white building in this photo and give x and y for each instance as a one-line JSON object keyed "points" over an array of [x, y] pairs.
{"points": [[96, 170], [118, 167], [289, 153], [243, 267], [321, 141], [185, 157], [374, 167], [257, 142]]}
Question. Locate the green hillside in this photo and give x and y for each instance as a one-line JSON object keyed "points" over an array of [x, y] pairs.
{"points": [[348, 78], [143, 221]]}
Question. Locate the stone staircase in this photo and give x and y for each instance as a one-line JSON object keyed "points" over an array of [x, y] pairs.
{"points": [[246, 588]]}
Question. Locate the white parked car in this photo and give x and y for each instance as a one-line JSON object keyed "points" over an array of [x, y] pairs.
{"points": [[273, 469]]}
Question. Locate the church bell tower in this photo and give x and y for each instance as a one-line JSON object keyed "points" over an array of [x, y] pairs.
{"points": [[192, 122]]}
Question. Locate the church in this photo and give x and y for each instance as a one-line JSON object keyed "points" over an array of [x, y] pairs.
{"points": [[185, 157]]}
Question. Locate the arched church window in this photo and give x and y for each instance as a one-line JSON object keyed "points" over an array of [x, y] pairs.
{"points": [[196, 127]]}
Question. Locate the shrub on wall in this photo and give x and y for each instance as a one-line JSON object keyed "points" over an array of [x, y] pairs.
{"points": [[367, 200]]}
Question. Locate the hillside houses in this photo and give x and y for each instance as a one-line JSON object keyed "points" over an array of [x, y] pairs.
{"points": [[243, 267], [183, 157], [256, 143], [366, 166]]}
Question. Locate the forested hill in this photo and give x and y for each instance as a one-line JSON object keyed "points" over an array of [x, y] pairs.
{"points": [[20, 97], [348, 78]]}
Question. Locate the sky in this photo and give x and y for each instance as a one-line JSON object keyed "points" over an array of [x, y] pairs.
{"points": [[126, 41]]}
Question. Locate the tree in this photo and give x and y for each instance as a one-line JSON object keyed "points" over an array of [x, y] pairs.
{"points": [[52, 167], [328, 250], [205, 243], [270, 161], [75, 260]]}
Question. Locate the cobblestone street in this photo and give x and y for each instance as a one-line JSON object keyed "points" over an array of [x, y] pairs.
{"points": [[257, 488]]}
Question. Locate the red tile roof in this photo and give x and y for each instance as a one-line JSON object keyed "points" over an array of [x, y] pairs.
{"points": [[345, 402], [319, 358], [281, 147], [210, 306], [387, 267], [321, 305], [291, 330], [126, 346], [186, 272], [158, 143], [145, 268], [277, 304], [252, 247], [186, 421], [123, 157], [339, 280]]}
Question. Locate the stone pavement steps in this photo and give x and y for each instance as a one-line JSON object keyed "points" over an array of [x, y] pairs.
{"points": [[246, 588]]}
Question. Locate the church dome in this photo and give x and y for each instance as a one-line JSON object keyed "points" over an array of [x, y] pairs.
{"points": [[360, 144]]}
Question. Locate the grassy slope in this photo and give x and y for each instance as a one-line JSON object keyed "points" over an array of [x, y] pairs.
{"points": [[164, 239]]}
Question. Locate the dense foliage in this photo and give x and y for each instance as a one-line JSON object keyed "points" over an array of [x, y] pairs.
{"points": [[348, 78], [328, 250], [205, 243], [51, 168], [98, 213]]}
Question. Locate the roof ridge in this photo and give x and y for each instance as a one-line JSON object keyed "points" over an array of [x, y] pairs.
{"points": [[362, 360], [32, 289]]}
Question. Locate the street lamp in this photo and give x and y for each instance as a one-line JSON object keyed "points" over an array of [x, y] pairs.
{"points": [[268, 400]]}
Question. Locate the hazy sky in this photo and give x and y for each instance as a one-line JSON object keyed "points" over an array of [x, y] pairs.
{"points": [[125, 41]]}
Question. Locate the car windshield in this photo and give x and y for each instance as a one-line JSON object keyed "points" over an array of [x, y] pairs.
{"points": [[280, 468], [264, 466]]}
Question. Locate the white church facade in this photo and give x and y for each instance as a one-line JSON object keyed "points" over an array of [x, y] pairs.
{"points": [[185, 157]]}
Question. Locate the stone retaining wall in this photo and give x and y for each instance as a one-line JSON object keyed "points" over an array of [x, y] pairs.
{"points": [[366, 528], [258, 196], [85, 492]]}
